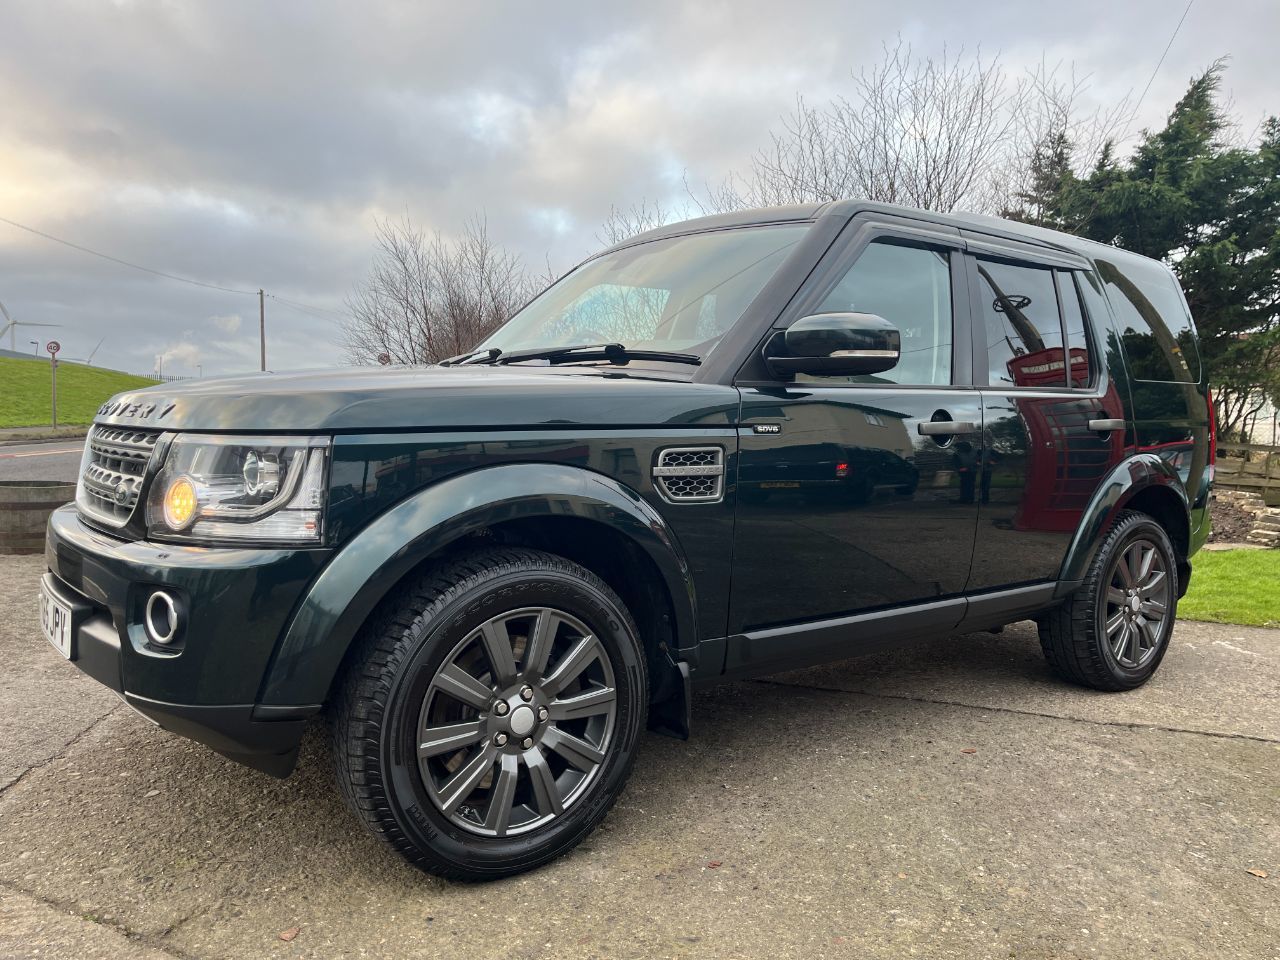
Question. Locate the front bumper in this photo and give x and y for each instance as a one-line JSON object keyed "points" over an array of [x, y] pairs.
{"points": [[205, 686]]}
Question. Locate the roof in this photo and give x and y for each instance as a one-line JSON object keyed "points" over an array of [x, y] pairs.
{"points": [[756, 216], [982, 223]]}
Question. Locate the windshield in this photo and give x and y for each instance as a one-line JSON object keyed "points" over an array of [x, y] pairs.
{"points": [[679, 294]]}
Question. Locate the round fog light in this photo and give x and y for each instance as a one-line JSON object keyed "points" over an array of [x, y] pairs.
{"points": [[180, 503], [161, 618]]}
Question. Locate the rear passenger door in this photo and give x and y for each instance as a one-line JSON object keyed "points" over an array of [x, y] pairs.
{"points": [[1047, 391]]}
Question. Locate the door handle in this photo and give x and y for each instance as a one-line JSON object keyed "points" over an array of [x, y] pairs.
{"points": [[945, 428], [1106, 426]]}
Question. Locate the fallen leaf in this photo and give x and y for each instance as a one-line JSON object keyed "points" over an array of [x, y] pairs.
{"points": [[289, 934], [969, 750], [712, 864], [902, 876], [1257, 873]]}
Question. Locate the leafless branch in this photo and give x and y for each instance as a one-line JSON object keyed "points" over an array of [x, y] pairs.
{"points": [[427, 298]]}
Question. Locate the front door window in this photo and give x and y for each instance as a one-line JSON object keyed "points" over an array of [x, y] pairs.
{"points": [[911, 288]]}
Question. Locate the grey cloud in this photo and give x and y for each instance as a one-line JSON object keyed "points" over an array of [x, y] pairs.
{"points": [[253, 145]]}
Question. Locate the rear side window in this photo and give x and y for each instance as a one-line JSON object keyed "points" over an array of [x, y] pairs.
{"points": [[1024, 327], [1154, 322]]}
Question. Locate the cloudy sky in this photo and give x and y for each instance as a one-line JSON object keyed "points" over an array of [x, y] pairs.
{"points": [[253, 145]]}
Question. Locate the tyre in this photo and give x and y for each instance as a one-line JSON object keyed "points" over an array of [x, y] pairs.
{"points": [[860, 490], [1112, 633], [489, 715]]}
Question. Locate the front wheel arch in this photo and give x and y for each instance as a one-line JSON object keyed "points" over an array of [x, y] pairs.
{"points": [[425, 526]]}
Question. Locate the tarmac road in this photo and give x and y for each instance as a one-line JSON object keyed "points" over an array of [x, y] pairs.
{"points": [[949, 800], [58, 460]]}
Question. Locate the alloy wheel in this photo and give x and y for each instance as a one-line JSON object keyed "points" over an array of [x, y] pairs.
{"points": [[1137, 604], [517, 722]]}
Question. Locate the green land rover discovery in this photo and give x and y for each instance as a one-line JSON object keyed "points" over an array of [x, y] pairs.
{"points": [[726, 447]]}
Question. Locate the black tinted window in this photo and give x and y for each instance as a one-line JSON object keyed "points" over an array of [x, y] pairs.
{"points": [[1024, 330], [1077, 336], [1154, 322], [911, 288]]}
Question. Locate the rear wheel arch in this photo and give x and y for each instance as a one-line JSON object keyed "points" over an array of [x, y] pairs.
{"points": [[1145, 484], [1159, 502]]}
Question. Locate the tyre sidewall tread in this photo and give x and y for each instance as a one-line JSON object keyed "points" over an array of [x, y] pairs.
{"points": [[1072, 636], [375, 722]]}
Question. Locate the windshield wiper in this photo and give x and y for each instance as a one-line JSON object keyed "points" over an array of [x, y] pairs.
{"points": [[615, 353], [490, 355]]}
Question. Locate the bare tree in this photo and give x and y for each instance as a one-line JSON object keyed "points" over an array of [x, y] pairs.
{"points": [[933, 133], [1056, 136], [918, 131], [427, 298], [623, 224], [940, 134]]}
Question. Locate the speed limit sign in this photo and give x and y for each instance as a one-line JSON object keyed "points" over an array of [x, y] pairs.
{"points": [[53, 346]]}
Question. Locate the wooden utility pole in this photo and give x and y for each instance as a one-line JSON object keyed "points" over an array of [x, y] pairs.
{"points": [[262, 328]]}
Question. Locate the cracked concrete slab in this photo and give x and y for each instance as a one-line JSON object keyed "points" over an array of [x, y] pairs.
{"points": [[31, 928], [44, 702], [798, 822]]}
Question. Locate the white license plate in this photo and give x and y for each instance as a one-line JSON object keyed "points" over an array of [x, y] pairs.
{"points": [[55, 621]]}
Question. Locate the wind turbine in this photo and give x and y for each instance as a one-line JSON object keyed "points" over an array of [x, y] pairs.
{"points": [[89, 361], [11, 327]]}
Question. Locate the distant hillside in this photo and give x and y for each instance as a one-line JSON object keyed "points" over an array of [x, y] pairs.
{"points": [[25, 396]]}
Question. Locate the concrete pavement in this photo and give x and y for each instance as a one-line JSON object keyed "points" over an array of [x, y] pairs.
{"points": [[947, 800]]}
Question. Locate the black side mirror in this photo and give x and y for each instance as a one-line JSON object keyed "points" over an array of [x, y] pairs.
{"points": [[835, 345]]}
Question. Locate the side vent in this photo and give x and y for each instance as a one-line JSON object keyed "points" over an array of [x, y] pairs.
{"points": [[690, 474]]}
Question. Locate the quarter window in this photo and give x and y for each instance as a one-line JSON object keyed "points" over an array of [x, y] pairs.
{"points": [[911, 288], [1154, 322]]}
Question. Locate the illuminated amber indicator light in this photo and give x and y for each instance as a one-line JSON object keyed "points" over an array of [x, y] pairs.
{"points": [[180, 503]]}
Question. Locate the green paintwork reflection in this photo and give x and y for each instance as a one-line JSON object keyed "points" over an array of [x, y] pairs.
{"points": [[375, 399], [423, 523]]}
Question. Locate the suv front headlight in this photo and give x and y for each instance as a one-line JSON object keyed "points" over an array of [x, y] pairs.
{"points": [[236, 488]]}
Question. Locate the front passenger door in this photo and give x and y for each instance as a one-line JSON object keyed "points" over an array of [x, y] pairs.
{"points": [[843, 505]]}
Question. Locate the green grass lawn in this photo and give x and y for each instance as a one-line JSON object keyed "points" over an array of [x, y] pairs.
{"points": [[25, 396], [1234, 586]]}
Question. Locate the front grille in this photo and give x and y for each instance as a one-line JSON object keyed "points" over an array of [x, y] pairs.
{"points": [[113, 472], [690, 474]]}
